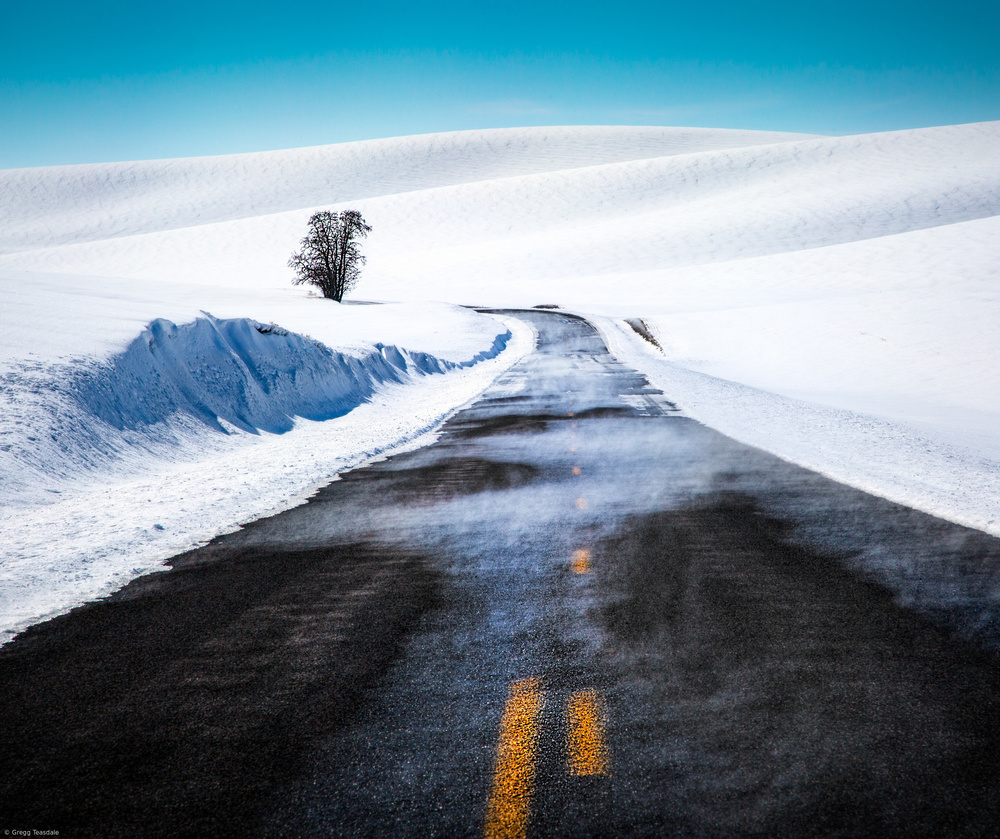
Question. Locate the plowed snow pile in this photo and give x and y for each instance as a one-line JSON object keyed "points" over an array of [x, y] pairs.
{"points": [[833, 300]]}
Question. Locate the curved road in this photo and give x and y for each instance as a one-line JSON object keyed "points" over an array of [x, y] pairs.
{"points": [[578, 613]]}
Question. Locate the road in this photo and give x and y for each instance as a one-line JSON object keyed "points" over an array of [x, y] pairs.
{"points": [[578, 613]]}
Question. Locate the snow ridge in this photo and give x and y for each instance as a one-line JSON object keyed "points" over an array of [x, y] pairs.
{"points": [[226, 375], [113, 464]]}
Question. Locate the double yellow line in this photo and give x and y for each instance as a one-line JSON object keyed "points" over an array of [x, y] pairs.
{"points": [[509, 806]]}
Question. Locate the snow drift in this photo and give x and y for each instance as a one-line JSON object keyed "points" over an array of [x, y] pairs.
{"points": [[235, 375], [112, 464], [253, 376]]}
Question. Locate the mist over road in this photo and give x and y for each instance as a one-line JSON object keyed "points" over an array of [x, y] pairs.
{"points": [[579, 613]]}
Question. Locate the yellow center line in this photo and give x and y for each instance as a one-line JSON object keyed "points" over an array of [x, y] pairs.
{"points": [[581, 561], [577, 470], [581, 503], [510, 798], [586, 752]]}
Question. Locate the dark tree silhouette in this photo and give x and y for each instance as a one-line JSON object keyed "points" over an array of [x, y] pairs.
{"points": [[331, 258]]}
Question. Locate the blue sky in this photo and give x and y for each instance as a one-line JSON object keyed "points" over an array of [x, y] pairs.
{"points": [[87, 82]]}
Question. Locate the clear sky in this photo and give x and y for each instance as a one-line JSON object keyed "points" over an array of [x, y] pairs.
{"points": [[113, 80]]}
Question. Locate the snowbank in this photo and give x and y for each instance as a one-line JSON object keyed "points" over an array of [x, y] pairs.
{"points": [[920, 465], [113, 464], [871, 362], [170, 381]]}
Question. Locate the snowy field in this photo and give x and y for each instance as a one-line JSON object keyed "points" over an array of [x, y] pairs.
{"points": [[140, 422], [832, 300]]}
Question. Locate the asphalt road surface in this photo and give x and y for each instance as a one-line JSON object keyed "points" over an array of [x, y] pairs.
{"points": [[579, 613]]}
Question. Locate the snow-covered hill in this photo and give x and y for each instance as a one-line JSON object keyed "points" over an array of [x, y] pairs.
{"points": [[831, 299], [66, 204]]}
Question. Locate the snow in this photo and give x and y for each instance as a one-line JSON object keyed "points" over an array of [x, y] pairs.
{"points": [[872, 362], [175, 485], [830, 299], [142, 419], [66, 204]]}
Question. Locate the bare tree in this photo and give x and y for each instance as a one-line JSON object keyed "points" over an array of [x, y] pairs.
{"points": [[331, 258]]}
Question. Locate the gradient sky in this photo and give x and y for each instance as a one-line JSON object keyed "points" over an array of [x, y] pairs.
{"points": [[100, 81]]}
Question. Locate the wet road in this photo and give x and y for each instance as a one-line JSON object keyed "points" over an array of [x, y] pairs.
{"points": [[579, 613]]}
